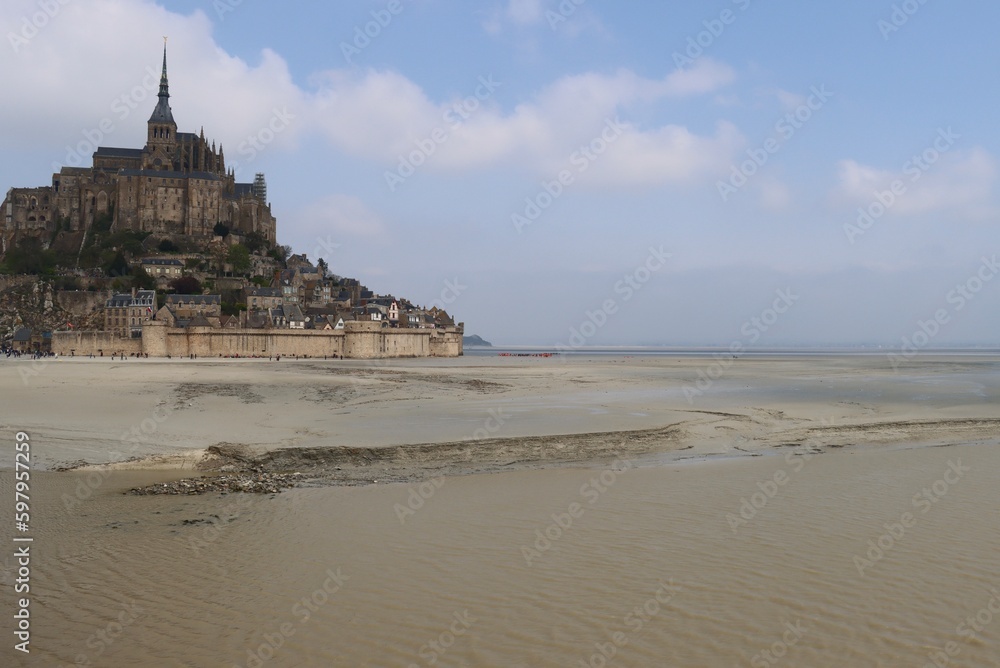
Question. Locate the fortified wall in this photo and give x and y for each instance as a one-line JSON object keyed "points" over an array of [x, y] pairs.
{"points": [[359, 340]]}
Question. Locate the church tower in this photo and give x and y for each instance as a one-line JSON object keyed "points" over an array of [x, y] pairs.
{"points": [[161, 140]]}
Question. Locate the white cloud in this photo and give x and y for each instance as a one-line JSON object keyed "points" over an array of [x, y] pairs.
{"points": [[568, 17], [525, 12], [65, 100], [790, 101], [671, 154], [383, 116], [960, 182], [773, 194], [706, 76], [375, 115], [338, 218]]}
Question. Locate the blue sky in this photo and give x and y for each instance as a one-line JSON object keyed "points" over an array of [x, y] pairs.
{"points": [[741, 138]]}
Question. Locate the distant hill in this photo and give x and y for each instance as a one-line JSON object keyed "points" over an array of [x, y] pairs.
{"points": [[475, 340]]}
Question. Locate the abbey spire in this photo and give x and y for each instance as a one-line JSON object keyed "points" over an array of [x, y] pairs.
{"points": [[161, 138], [162, 113]]}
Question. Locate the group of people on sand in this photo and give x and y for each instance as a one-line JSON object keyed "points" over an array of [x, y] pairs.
{"points": [[124, 357], [34, 354]]}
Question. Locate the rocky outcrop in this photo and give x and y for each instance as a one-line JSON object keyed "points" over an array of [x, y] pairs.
{"points": [[34, 304]]}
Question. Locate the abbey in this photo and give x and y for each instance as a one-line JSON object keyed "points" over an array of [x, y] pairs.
{"points": [[177, 185]]}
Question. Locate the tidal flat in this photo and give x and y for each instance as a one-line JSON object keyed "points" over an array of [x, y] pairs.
{"points": [[805, 511]]}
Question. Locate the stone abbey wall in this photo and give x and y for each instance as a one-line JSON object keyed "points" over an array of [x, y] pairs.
{"points": [[360, 340]]}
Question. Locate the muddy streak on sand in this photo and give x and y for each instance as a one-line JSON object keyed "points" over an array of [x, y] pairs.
{"points": [[358, 466], [409, 463]]}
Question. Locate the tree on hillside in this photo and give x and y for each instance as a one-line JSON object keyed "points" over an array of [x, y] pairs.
{"points": [[141, 280], [168, 246], [256, 242], [323, 267], [186, 285], [30, 258], [221, 230], [281, 254], [118, 265], [239, 258]]}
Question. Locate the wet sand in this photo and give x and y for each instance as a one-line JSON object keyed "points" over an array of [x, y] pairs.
{"points": [[761, 522], [358, 422], [503, 570]]}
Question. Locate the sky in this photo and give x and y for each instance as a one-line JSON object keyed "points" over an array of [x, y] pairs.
{"points": [[573, 173]]}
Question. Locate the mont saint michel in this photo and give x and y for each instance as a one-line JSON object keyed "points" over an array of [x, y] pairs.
{"points": [[176, 185], [240, 426], [198, 253]]}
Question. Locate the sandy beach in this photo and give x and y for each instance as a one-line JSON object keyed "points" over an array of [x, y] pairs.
{"points": [[357, 422], [634, 511]]}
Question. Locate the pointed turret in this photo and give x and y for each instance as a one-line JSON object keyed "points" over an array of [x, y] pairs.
{"points": [[161, 138], [162, 113]]}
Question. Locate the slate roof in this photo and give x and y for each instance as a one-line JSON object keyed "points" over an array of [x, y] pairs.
{"points": [[119, 301], [204, 176], [113, 152], [194, 299], [263, 292]]}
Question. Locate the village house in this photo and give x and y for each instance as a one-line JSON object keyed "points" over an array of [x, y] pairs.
{"points": [[301, 265], [22, 340], [125, 314], [187, 307], [287, 316], [169, 268], [261, 298]]}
